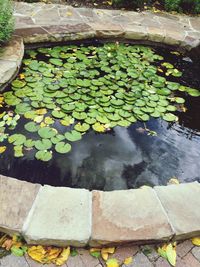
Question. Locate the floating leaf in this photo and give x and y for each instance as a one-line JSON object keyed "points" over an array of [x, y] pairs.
{"points": [[82, 127], [47, 132], [73, 136], [17, 139], [62, 147], [43, 155], [31, 127], [2, 149], [99, 127], [43, 144]]}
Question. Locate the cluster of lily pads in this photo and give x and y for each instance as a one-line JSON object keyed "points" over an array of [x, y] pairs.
{"points": [[82, 88]]}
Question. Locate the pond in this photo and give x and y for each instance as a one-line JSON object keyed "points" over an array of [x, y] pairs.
{"points": [[102, 116]]}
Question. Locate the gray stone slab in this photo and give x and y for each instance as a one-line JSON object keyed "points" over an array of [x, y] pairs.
{"points": [[11, 57], [131, 215], [60, 216], [16, 200], [182, 203]]}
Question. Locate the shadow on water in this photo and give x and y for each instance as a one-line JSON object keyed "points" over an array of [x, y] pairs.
{"points": [[125, 157]]}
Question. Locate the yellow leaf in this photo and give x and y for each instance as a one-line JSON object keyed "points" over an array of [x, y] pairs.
{"points": [[95, 250], [63, 257], [128, 260], [196, 241], [53, 253], [42, 124], [112, 263], [21, 76], [39, 119], [41, 111], [69, 13], [2, 149], [106, 251], [174, 180], [37, 253], [171, 254]]}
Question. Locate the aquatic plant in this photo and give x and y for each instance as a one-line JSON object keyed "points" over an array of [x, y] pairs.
{"points": [[64, 91]]}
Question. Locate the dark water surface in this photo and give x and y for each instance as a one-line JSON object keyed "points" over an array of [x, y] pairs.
{"points": [[125, 157]]}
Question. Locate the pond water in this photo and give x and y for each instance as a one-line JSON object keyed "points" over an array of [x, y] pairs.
{"points": [[143, 153]]}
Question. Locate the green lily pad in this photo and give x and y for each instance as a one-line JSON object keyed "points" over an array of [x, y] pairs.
{"points": [[31, 127], [169, 117], [58, 114], [84, 127], [47, 132], [43, 155], [17, 139], [63, 147], [43, 144], [73, 136]]}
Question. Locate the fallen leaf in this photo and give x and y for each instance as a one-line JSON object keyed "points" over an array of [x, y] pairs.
{"points": [[7, 244], [171, 254], [106, 251], [196, 241], [37, 253], [112, 263], [174, 180], [21, 76], [68, 13], [128, 260], [2, 149], [63, 257]]}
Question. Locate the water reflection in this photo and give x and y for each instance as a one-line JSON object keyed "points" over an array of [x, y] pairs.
{"points": [[125, 158]]}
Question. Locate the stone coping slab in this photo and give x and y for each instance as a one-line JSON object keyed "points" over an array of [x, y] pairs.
{"points": [[63, 216], [10, 60], [41, 22]]}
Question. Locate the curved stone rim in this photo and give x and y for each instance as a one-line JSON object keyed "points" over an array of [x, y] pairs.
{"points": [[104, 218]]}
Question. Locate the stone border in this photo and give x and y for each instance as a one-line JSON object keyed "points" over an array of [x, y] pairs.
{"points": [[64, 216], [10, 60]]}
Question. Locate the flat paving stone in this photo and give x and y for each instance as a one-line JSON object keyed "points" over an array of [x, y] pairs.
{"points": [[10, 59], [16, 200], [182, 202], [121, 253], [60, 216], [131, 215]]}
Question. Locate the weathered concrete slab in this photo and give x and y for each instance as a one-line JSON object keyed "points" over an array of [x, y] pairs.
{"points": [[10, 59], [182, 203], [60, 216], [131, 215], [16, 199]]}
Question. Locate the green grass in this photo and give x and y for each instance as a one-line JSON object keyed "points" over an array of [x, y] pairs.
{"points": [[6, 20]]}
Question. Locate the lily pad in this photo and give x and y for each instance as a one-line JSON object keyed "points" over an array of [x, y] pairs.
{"points": [[47, 132], [43, 155], [43, 144], [63, 147], [73, 136], [31, 127]]}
